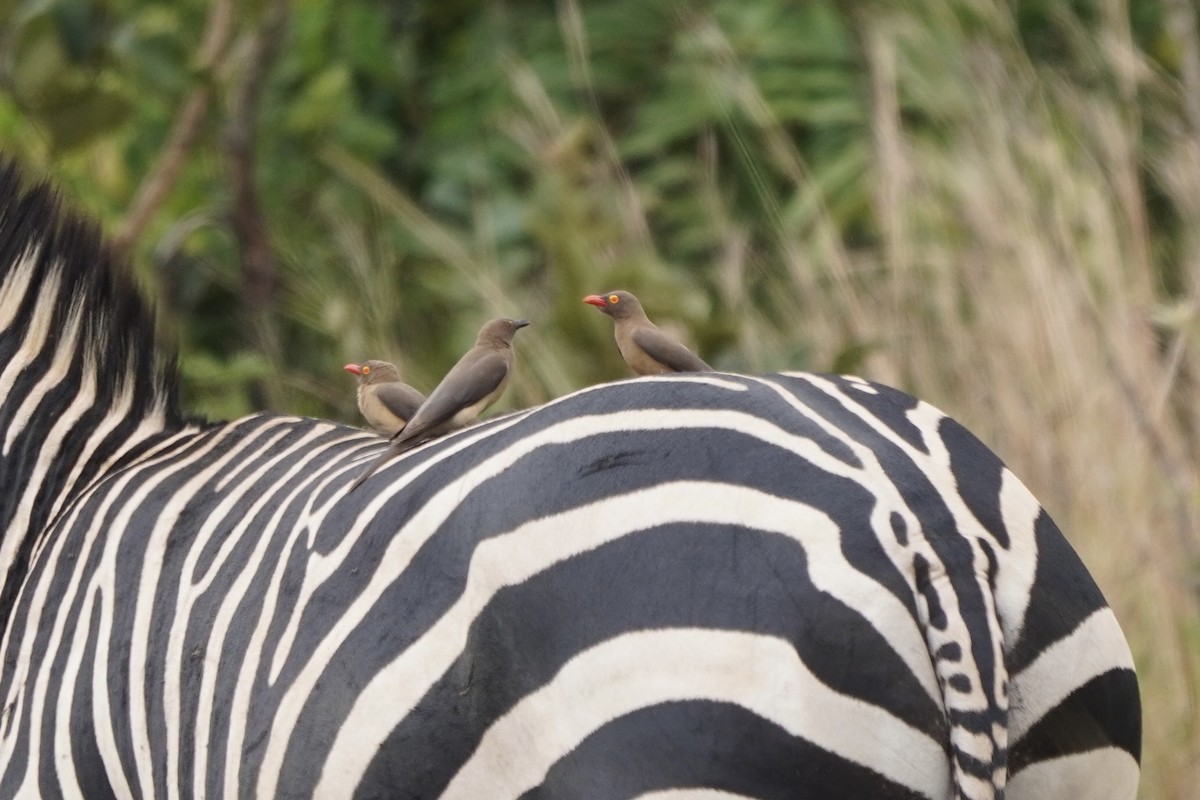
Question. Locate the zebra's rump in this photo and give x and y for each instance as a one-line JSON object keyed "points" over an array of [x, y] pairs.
{"points": [[785, 586]]}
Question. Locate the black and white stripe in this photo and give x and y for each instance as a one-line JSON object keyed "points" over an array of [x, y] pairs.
{"points": [[703, 586]]}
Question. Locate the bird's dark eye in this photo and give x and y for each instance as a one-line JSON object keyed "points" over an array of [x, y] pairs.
{"points": [[613, 299]]}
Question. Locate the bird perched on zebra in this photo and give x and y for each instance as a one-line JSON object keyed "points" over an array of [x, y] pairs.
{"points": [[470, 387], [386, 402], [712, 585], [647, 350]]}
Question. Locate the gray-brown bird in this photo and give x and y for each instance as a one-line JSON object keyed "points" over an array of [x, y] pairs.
{"points": [[386, 402], [646, 349], [471, 385]]}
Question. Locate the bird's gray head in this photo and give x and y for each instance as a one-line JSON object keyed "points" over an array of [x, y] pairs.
{"points": [[374, 372], [618, 305], [500, 331]]}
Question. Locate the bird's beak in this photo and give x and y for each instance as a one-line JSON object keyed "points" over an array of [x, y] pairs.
{"points": [[355, 368], [519, 323], [595, 300]]}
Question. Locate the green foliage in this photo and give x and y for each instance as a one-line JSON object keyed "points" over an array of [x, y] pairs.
{"points": [[221, 385]]}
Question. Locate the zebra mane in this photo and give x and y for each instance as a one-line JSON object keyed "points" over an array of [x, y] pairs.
{"points": [[96, 309]]}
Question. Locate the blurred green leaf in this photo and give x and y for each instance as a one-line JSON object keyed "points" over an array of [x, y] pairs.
{"points": [[323, 101]]}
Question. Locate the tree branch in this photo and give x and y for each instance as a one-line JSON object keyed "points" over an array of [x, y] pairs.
{"points": [[155, 187], [259, 263]]}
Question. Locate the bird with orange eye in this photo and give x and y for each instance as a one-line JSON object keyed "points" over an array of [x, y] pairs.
{"points": [[386, 402], [647, 350]]}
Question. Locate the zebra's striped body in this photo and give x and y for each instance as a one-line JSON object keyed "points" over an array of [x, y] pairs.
{"points": [[789, 586]]}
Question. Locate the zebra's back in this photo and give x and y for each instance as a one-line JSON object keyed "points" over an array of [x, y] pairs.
{"points": [[772, 587]]}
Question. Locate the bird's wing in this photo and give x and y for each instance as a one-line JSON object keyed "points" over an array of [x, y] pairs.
{"points": [[400, 399], [473, 378], [668, 352]]}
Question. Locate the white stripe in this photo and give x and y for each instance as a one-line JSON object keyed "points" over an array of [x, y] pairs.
{"points": [[729, 381], [1106, 774], [16, 286], [714, 379], [64, 761], [84, 399], [1016, 564], [638, 670], [861, 384], [692, 794], [1095, 647], [538, 545]]}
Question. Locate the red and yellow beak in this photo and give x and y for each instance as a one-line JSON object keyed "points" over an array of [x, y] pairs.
{"points": [[596, 300], [354, 368]]}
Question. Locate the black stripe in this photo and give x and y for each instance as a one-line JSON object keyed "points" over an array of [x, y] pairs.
{"points": [[18, 759], [933, 604], [1098, 714], [978, 476], [1062, 596], [85, 753], [703, 744]]}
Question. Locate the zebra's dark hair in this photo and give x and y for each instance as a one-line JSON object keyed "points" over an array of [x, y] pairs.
{"points": [[116, 326], [83, 385]]}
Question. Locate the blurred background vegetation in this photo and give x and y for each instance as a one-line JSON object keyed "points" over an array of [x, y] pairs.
{"points": [[994, 205]]}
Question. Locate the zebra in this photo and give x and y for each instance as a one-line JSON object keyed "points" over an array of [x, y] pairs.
{"points": [[699, 585]]}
